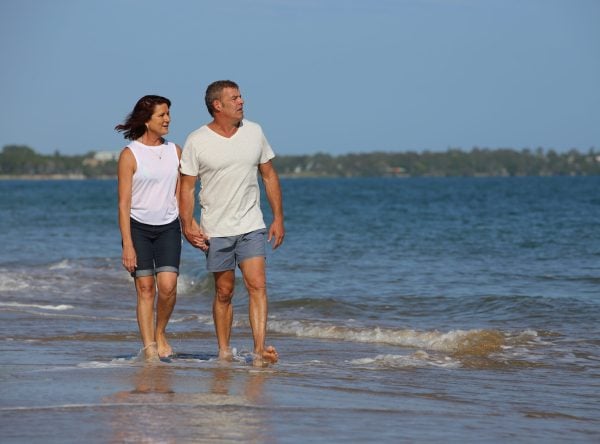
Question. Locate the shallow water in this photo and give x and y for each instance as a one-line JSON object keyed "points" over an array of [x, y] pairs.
{"points": [[419, 310]]}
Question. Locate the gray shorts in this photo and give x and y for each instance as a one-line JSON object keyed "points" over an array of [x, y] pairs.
{"points": [[224, 253]]}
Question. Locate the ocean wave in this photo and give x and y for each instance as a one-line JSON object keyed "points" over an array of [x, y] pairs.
{"points": [[62, 265], [17, 305], [192, 284], [472, 342]]}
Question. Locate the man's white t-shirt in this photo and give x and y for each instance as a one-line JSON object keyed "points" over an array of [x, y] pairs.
{"points": [[228, 170]]}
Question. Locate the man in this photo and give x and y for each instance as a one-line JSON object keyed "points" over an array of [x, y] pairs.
{"points": [[227, 154]]}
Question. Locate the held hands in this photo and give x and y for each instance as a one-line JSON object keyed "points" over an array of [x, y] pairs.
{"points": [[196, 237]]}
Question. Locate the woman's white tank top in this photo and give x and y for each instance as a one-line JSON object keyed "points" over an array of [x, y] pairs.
{"points": [[153, 199]]}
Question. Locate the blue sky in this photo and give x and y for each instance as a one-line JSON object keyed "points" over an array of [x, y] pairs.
{"points": [[333, 76]]}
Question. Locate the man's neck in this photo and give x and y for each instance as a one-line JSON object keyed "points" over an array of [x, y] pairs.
{"points": [[224, 128]]}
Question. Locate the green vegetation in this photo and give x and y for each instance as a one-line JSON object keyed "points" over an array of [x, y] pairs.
{"points": [[454, 162], [23, 161]]}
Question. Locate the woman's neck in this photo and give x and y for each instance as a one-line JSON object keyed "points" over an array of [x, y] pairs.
{"points": [[151, 139]]}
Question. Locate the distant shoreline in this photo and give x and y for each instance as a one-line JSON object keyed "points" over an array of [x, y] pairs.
{"points": [[50, 177], [40, 177], [23, 163]]}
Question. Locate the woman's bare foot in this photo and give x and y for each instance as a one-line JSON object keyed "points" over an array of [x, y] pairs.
{"points": [[268, 356], [164, 349], [226, 355], [150, 353]]}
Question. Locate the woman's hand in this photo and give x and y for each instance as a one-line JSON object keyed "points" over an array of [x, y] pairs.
{"points": [[129, 259]]}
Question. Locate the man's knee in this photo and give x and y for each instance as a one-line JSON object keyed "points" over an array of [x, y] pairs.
{"points": [[224, 285], [255, 278], [224, 291], [255, 284], [224, 296]]}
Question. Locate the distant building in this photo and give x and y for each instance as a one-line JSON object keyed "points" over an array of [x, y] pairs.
{"points": [[106, 156], [101, 157]]}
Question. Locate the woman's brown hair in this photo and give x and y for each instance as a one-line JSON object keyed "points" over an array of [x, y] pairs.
{"points": [[134, 126]]}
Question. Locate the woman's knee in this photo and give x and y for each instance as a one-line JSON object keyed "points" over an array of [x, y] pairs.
{"points": [[145, 288], [167, 285]]}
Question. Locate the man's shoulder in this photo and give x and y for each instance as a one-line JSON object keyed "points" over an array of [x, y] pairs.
{"points": [[199, 137], [249, 124], [200, 132]]}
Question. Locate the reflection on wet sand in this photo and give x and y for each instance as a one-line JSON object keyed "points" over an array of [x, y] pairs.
{"points": [[175, 404]]}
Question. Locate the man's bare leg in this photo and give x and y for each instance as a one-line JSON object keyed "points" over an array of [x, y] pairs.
{"points": [[223, 311], [253, 270], [145, 288], [167, 296]]}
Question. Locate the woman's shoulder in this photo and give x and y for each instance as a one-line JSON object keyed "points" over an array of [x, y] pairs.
{"points": [[172, 146], [126, 152]]}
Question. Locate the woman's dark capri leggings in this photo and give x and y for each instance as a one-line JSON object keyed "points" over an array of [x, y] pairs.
{"points": [[157, 247]]}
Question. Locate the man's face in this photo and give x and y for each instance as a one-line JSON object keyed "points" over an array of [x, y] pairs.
{"points": [[232, 104]]}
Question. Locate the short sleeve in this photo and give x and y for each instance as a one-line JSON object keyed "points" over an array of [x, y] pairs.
{"points": [[266, 150], [189, 161]]}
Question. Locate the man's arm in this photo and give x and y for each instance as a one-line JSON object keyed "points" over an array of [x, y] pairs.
{"points": [[189, 226], [274, 196]]}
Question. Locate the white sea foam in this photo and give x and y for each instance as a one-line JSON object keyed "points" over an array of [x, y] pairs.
{"points": [[417, 359], [61, 307], [64, 264], [117, 362], [202, 319], [12, 282]]}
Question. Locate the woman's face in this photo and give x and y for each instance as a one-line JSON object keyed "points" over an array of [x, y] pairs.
{"points": [[159, 122]]}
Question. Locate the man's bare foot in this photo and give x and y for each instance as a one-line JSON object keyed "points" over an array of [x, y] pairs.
{"points": [[268, 356], [164, 349]]}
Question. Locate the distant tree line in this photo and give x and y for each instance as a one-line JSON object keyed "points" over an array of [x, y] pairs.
{"points": [[453, 162], [19, 160]]}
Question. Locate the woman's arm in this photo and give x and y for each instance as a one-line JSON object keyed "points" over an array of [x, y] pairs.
{"points": [[126, 169]]}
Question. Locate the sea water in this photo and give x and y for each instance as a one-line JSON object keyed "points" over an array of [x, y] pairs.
{"points": [[404, 310]]}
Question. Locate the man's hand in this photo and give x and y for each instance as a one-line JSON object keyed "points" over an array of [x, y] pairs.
{"points": [[276, 233]]}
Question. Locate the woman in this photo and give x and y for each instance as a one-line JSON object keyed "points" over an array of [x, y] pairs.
{"points": [[148, 174]]}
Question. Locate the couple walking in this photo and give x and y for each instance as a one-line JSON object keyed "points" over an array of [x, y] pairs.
{"points": [[157, 181]]}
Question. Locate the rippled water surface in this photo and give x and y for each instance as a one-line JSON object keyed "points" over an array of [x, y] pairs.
{"points": [[418, 310]]}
